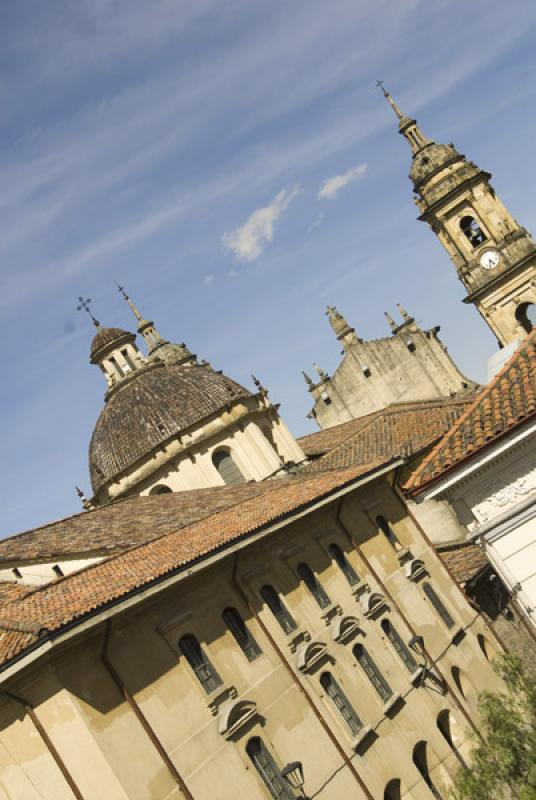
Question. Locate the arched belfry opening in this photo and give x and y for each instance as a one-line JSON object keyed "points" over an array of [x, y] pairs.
{"points": [[472, 230], [526, 316]]}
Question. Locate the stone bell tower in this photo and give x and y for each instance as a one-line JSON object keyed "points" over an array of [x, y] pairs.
{"points": [[494, 256]]}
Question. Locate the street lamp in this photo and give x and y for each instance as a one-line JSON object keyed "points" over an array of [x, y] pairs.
{"points": [[293, 773], [416, 643]]}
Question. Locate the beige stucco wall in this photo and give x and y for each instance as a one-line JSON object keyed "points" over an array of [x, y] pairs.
{"points": [[108, 752]]}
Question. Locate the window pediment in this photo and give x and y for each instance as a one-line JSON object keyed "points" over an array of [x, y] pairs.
{"points": [[373, 604], [310, 654], [343, 628], [234, 716]]}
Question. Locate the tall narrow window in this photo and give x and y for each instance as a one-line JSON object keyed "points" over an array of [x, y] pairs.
{"points": [[226, 466], [129, 364], [433, 597], [372, 672], [278, 609], [243, 637], [341, 702], [399, 646], [199, 662], [310, 580], [393, 790], [445, 724], [116, 366], [472, 230], [344, 565], [387, 531], [420, 759], [268, 770]]}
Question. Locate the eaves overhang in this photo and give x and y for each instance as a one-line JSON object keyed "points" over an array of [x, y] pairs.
{"points": [[49, 640]]}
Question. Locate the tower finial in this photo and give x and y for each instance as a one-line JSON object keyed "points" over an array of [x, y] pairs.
{"points": [[321, 374], [83, 305], [389, 99], [121, 290], [404, 314], [390, 320], [88, 505], [308, 379]]}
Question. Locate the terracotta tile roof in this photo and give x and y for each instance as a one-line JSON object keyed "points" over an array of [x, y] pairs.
{"points": [[507, 401], [12, 591], [74, 597], [321, 442], [464, 561], [118, 526], [402, 429]]}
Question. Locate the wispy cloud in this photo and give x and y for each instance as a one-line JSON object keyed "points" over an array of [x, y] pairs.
{"points": [[249, 240], [208, 280], [332, 186]]}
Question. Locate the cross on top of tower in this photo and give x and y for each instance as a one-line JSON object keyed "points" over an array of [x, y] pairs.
{"points": [[389, 99], [83, 305]]}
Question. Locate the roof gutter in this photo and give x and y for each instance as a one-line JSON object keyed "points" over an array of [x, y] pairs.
{"points": [[53, 639]]}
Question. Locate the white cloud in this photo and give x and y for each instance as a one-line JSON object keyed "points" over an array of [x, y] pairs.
{"points": [[248, 241], [332, 186]]}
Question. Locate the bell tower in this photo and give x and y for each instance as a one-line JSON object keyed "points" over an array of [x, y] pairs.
{"points": [[494, 256]]}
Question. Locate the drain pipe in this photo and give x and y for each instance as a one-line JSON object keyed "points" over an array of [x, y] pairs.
{"points": [[142, 719], [30, 710], [295, 680], [393, 602]]}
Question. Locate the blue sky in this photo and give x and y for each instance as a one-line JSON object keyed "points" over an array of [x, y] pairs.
{"points": [[188, 149]]}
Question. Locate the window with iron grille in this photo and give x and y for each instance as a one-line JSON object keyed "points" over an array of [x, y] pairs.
{"points": [[278, 609], [268, 770], [200, 663], [372, 672], [341, 702], [344, 565], [241, 633], [437, 603], [399, 646], [310, 580]]}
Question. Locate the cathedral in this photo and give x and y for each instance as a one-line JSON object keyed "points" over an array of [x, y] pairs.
{"points": [[237, 613]]}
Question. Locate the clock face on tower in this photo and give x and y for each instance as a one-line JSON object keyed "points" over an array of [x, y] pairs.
{"points": [[489, 259]]}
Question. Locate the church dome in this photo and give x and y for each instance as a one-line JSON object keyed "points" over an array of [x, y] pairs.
{"points": [[106, 337], [430, 158], [158, 402]]}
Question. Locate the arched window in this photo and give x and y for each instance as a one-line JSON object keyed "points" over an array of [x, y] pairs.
{"points": [[393, 790], [161, 488], [420, 759], [472, 230], [268, 770], [444, 723], [459, 680], [437, 603], [278, 609], [344, 565], [199, 662], [387, 531], [372, 672], [243, 637], [310, 580], [526, 316], [226, 466], [341, 702], [399, 646]]}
